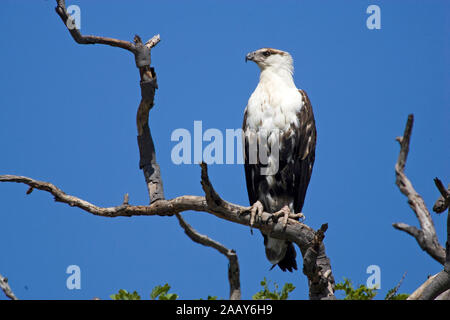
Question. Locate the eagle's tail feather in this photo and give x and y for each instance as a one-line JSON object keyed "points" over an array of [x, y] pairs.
{"points": [[288, 262]]}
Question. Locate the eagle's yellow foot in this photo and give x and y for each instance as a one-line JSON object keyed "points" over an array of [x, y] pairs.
{"points": [[286, 213], [256, 210]]}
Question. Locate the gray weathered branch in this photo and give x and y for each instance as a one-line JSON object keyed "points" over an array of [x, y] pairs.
{"points": [[4, 285], [233, 267], [142, 53], [441, 282], [89, 39], [443, 202], [425, 236], [294, 231]]}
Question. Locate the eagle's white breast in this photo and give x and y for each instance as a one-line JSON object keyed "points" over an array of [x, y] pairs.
{"points": [[274, 104], [272, 108]]}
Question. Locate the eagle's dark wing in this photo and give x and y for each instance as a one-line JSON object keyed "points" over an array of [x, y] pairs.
{"points": [[252, 171], [305, 151]]}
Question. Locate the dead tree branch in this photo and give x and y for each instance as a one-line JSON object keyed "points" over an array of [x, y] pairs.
{"points": [[4, 285], [425, 236], [441, 282], [443, 202], [89, 39], [294, 231], [142, 54], [418, 292], [233, 266]]}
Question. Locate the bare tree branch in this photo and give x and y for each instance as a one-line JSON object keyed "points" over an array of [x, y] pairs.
{"points": [[319, 276], [148, 85], [441, 282], [79, 38], [294, 231], [444, 295], [443, 202], [233, 267], [416, 294], [90, 39], [147, 151], [426, 237], [4, 285]]}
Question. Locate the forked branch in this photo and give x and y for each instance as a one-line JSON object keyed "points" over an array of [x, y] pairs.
{"points": [[321, 280], [89, 39], [425, 236], [233, 266]]}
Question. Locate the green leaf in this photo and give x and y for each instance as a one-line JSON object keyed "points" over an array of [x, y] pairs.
{"points": [[125, 295], [361, 293], [275, 294], [161, 293]]}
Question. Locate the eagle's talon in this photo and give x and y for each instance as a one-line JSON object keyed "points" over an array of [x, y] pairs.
{"points": [[286, 213], [300, 216], [256, 210]]}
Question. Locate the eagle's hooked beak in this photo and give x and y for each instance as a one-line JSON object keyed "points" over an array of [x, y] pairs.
{"points": [[250, 56]]}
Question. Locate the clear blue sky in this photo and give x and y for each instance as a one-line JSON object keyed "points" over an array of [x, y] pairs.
{"points": [[68, 116]]}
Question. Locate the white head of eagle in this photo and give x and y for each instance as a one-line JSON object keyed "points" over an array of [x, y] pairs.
{"points": [[278, 116]]}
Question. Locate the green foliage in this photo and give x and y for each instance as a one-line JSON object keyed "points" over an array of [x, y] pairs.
{"points": [[161, 293], [125, 295], [266, 294], [210, 298], [364, 293], [361, 293], [158, 292]]}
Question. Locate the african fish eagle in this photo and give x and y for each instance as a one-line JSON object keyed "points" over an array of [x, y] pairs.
{"points": [[279, 141]]}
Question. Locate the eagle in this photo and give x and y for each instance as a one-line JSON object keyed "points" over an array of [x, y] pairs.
{"points": [[279, 141]]}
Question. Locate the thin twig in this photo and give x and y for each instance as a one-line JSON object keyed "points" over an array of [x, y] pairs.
{"points": [[395, 290]]}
